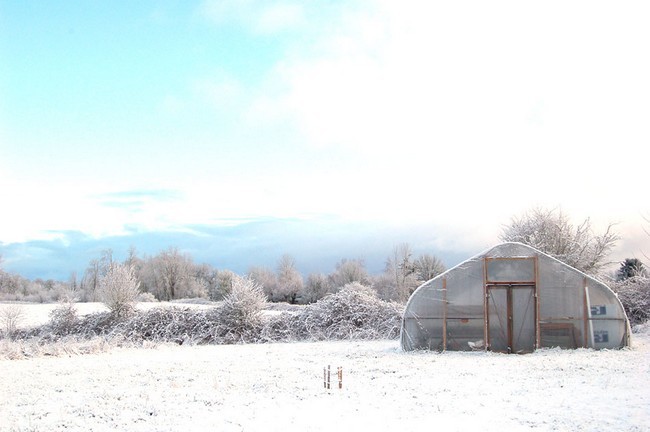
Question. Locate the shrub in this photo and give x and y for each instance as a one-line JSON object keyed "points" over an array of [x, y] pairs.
{"points": [[64, 318], [146, 297], [169, 324], [240, 315], [118, 289], [281, 328], [634, 293], [10, 318], [354, 312]]}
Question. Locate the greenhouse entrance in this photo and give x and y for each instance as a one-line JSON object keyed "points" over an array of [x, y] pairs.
{"points": [[511, 318]]}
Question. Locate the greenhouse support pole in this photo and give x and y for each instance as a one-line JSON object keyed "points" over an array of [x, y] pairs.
{"points": [[538, 327], [585, 290], [486, 315], [444, 314], [587, 322]]}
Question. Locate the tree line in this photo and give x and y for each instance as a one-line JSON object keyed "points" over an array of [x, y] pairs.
{"points": [[172, 274]]}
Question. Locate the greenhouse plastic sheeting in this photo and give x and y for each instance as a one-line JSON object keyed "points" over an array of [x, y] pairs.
{"points": [[513, 298]]}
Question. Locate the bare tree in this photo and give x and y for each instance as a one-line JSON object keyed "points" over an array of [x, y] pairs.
{"points": [[349, 271], [170, 275], [11, 316], [264, 277], [399, 279], [427, 267], [290, 283], [90, 280], [316, 287], [96, 269], [551, 232], [172, 269], [224, 283], [218, 283]]}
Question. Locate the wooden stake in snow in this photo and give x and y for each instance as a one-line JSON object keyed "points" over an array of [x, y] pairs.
{"points": [[328, 377], [340, 374]]}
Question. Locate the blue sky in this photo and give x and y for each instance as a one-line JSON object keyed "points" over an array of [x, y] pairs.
{"points": [[347, 126]]}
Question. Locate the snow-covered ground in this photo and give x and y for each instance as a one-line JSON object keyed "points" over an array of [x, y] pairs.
{"points": [[279, 387], [34, 314]]}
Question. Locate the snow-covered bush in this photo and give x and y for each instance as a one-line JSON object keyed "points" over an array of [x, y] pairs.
{"points": [[634, 294], [168, 324], [281, 327], [146, 297], [240, 316], [118, 289], [99, 323], [10, 317], [237, 319], [354, 312], [64, 319]]}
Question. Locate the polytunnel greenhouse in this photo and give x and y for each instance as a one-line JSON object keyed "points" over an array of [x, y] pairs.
{"points": [[513, 298]]}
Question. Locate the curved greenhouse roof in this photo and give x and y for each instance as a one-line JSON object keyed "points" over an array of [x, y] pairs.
{"points": [[513, 298]]}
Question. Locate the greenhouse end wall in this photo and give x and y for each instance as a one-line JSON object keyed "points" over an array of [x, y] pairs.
{"points": [[515, 299]]}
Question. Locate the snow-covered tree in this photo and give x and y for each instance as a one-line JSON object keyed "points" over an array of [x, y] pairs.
{"points": [[290, 283], [551, 232], [265, 277], [631, 267], [316, 287], [349, 271], [170, 275], [399, 279], [119, 289], [634, 293], [427, 267]]}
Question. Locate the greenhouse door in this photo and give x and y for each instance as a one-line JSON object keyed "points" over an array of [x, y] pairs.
{"points": [[511, 318]]}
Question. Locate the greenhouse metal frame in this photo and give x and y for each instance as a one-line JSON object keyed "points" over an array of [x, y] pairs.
{"points": [[513, 298]]}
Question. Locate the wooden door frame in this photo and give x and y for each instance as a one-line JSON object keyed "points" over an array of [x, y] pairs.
{"points": [[510, 313], [510, 285]]}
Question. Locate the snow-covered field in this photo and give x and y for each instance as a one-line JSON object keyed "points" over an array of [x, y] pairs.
{"points": [[35, 314], [279, 387]]}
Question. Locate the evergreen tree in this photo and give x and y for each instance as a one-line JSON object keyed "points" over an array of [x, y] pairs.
{"points": [[630, 268]]}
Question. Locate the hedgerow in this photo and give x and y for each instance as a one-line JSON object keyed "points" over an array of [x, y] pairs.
{"points": [[354, 312]]}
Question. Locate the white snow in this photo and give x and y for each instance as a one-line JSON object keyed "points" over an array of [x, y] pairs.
{"points": [[35, 314], [279, 387]]}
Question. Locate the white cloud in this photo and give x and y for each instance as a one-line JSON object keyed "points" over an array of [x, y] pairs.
{"points": [[487, 109], [260, 17], [457, 114], [223, 91]]}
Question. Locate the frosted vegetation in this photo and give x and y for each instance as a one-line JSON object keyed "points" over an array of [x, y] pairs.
{"points": [[173, 275], [212, 360], [353, 313], [348, 303]]}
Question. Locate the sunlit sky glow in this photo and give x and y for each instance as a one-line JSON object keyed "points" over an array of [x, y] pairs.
{"points": [[122, 119]]}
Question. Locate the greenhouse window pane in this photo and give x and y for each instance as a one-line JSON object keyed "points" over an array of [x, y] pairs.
{"points": [[511, 270]]}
